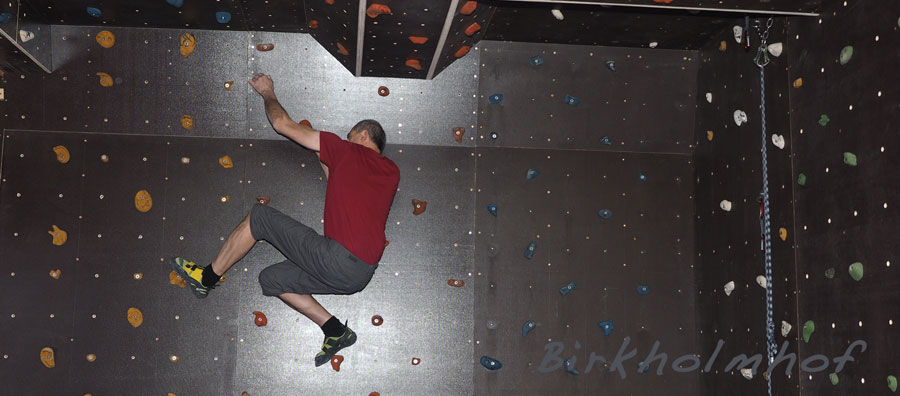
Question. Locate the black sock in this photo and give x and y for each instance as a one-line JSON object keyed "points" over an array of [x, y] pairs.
{"points": [[333, 328], [209, 276]]}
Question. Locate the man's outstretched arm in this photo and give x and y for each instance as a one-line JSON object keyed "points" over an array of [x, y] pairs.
{"points": [[278, 117]]}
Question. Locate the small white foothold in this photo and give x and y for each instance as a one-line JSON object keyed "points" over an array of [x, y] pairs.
{"points": [[747, 373], [725, 205], [740, 117], [709, 97], [729, 287], [778, 141], [785, 328], [653, 44], [25, 36], [761, 281], [738, 33], [557, 14], [775, 49]]}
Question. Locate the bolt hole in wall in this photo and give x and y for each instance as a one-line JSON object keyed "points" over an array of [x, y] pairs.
{"points": [[577, 182]]}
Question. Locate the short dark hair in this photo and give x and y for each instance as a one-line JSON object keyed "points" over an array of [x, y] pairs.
{"points": [[376, 132]]}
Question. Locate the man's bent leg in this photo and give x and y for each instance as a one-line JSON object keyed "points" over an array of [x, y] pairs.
{"points": [[307, 305], [235, 248]]}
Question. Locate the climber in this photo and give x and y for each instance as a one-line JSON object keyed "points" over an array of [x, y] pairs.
{"points": [[361, 184]]}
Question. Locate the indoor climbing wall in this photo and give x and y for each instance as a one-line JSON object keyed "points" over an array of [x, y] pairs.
{"points": [[731, 294], [845, 108]]}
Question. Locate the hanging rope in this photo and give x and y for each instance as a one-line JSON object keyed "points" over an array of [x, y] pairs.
{"points": [[761, 60]]}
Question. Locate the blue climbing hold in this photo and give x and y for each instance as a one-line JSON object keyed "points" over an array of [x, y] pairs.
{"points": [[642, 176], [643, 368], [494, 135], [5, 17], [607, 327], [572, 101], [223, 17], [567, 288], [570, 368], [531, 174], [529, 252], [493, 209], [643, 289], [94, 12], [175, 3], [495, 98], [605, 213], [490, 364], [537, 60], [527, 327], [605, 140], [611, 65]]}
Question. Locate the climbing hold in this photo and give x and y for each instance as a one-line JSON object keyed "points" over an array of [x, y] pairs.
{"points": [[106, 80], [374, 394], [135, 317], [729, 287], [55, 273], [456, 282], [778, 141], [740, 117], [489, 363], [138, 275], [747, 373], [265, 47], [187, 122], [185, 160], [468, 8], [224, 198], [723, 46], [834, 378], [62, 154], [568, 288], [175, 3], [59, 236], [104, 158], [643, 290], [225, 161], [377, 320], [611, 65], [642, 177], [710, 135], [492, 208], [383, 91], [94, 12], [808, 328], [785, 328], [419, 206], [313, 24], [223, 17], [416, 361], [462, 51], [527, 327], [342, 50], [188, 43], [531, 174], [25, 36], [856, 271], [494, 135], [336, 361], [557, 14], [782, 233], [570, 368], [536, 60], [386, 243], [663, 1], [262, 200], [801, 179], [738, 33], [725, 205], [775, 49], [823, 120], [177, 280], [529, 251], [228, 85], [571, 100], [143, 201], [605, 213], [47, 357], [761, 281], [472, 29], [892, 383], [607, 327], [458, 134], [850, 158], [306, 123], [414, 64], [829, 273], [653, 44], [495, 98], [5, 17], [173, 358], [709, 97], [259, 319], [846, 54], [798, 82], [605, 140], [418, 39], [375, 10], [106, 39]]}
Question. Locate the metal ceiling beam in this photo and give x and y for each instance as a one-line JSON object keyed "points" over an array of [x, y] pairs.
{"points": [[443, 40]]}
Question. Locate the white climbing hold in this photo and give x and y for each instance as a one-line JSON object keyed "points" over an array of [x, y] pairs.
{"points": [[25, 35], [725, 205], [740, 117], [709, 97], [557, 14], [729, 287], [785, 328], [738, 33], [653, 44], [761, 281], [775, 49], [747, 373], [778, 141]]}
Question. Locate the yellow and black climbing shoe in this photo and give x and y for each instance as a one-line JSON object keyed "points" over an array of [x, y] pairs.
{"points": [[332, 345], [191, 272]]}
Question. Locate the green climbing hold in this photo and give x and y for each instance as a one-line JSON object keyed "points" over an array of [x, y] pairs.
{"points": [[801, 179], [850, 158], [834, 378], [808, 328], [892, 383], [823, 120], [846, 54], [856, 271], [829, 273]]}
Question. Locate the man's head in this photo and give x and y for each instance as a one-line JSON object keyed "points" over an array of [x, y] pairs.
{"points": [[368, 130]]}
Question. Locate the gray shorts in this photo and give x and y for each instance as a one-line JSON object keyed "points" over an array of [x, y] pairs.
{"points": [[315, 264]]}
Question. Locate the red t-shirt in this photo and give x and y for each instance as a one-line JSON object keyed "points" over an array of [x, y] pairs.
{"points": [[361, 188]]}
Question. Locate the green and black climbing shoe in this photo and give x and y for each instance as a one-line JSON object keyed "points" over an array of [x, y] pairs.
{"points": [[193, 273], [332, 345]]}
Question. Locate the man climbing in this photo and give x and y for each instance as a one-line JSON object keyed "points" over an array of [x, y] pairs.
{"points": [[361, 184]]}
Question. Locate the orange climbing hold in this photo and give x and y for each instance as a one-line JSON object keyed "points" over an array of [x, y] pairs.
{"points": [[226, 163], [384, 91], [55, 273], [47, 357], [662, 1], [414, 63], [188, 43], [177, 280], [342, 50], [59, 236], [709, 135], [462, 51], [313, 24], [472, 29], [329, 2], [386, 243], [468, 8], [458, 134], [377, 320], [456, 282], [106, 80], [106, 39], [375, 10], [265, 47], [259, 319], [798, 82], [306, 122], [62, 154], [135, 317], [143, 201], [419, 206], [336, 362], [262, 200], [723, 46], [228, 85], [187, 122], [418, 39]]}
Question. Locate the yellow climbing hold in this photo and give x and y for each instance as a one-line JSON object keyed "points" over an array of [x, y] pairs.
{"points": [[188, 43], [798, 82], [59, 236], [106, 39], [177, 280], [143, 201], [62, 154], [55, 274], [105, 80], [187, 122], [709, 135], [90, 357], [782, 233], [135, 317], [226, 163], [723, 46], [47, 357]]}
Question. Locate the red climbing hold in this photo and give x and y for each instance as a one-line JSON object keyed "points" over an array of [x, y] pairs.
{"points": [[265, 47], [414, 63], [342, 50], [336, 362], [455, 282], [662, 1], [313, 24], [329, 2], [468, 8], [462, 51], [472, 29], [418, 39], [387, 243], [384, 91], [375, 10], [306, 122], [416, 361], [377, 320], [419, 206], [260, 319], [374, 394], [262, 200], [458, 134]]}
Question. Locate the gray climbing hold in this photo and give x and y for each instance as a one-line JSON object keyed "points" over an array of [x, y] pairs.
{"points": [[529, 251], [611, 65], [829, 273], [531, 174], [846, 54], [801, 179], [536, 60], [607, 327], [892, 383], [570, 368], [808, 328], [567, 288], [856, 271], [824, 120], [834, 378], [492, 208], [850, 159], [605, 213], [527, 327], [643, 290], [490, 363], [572, 101]]}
